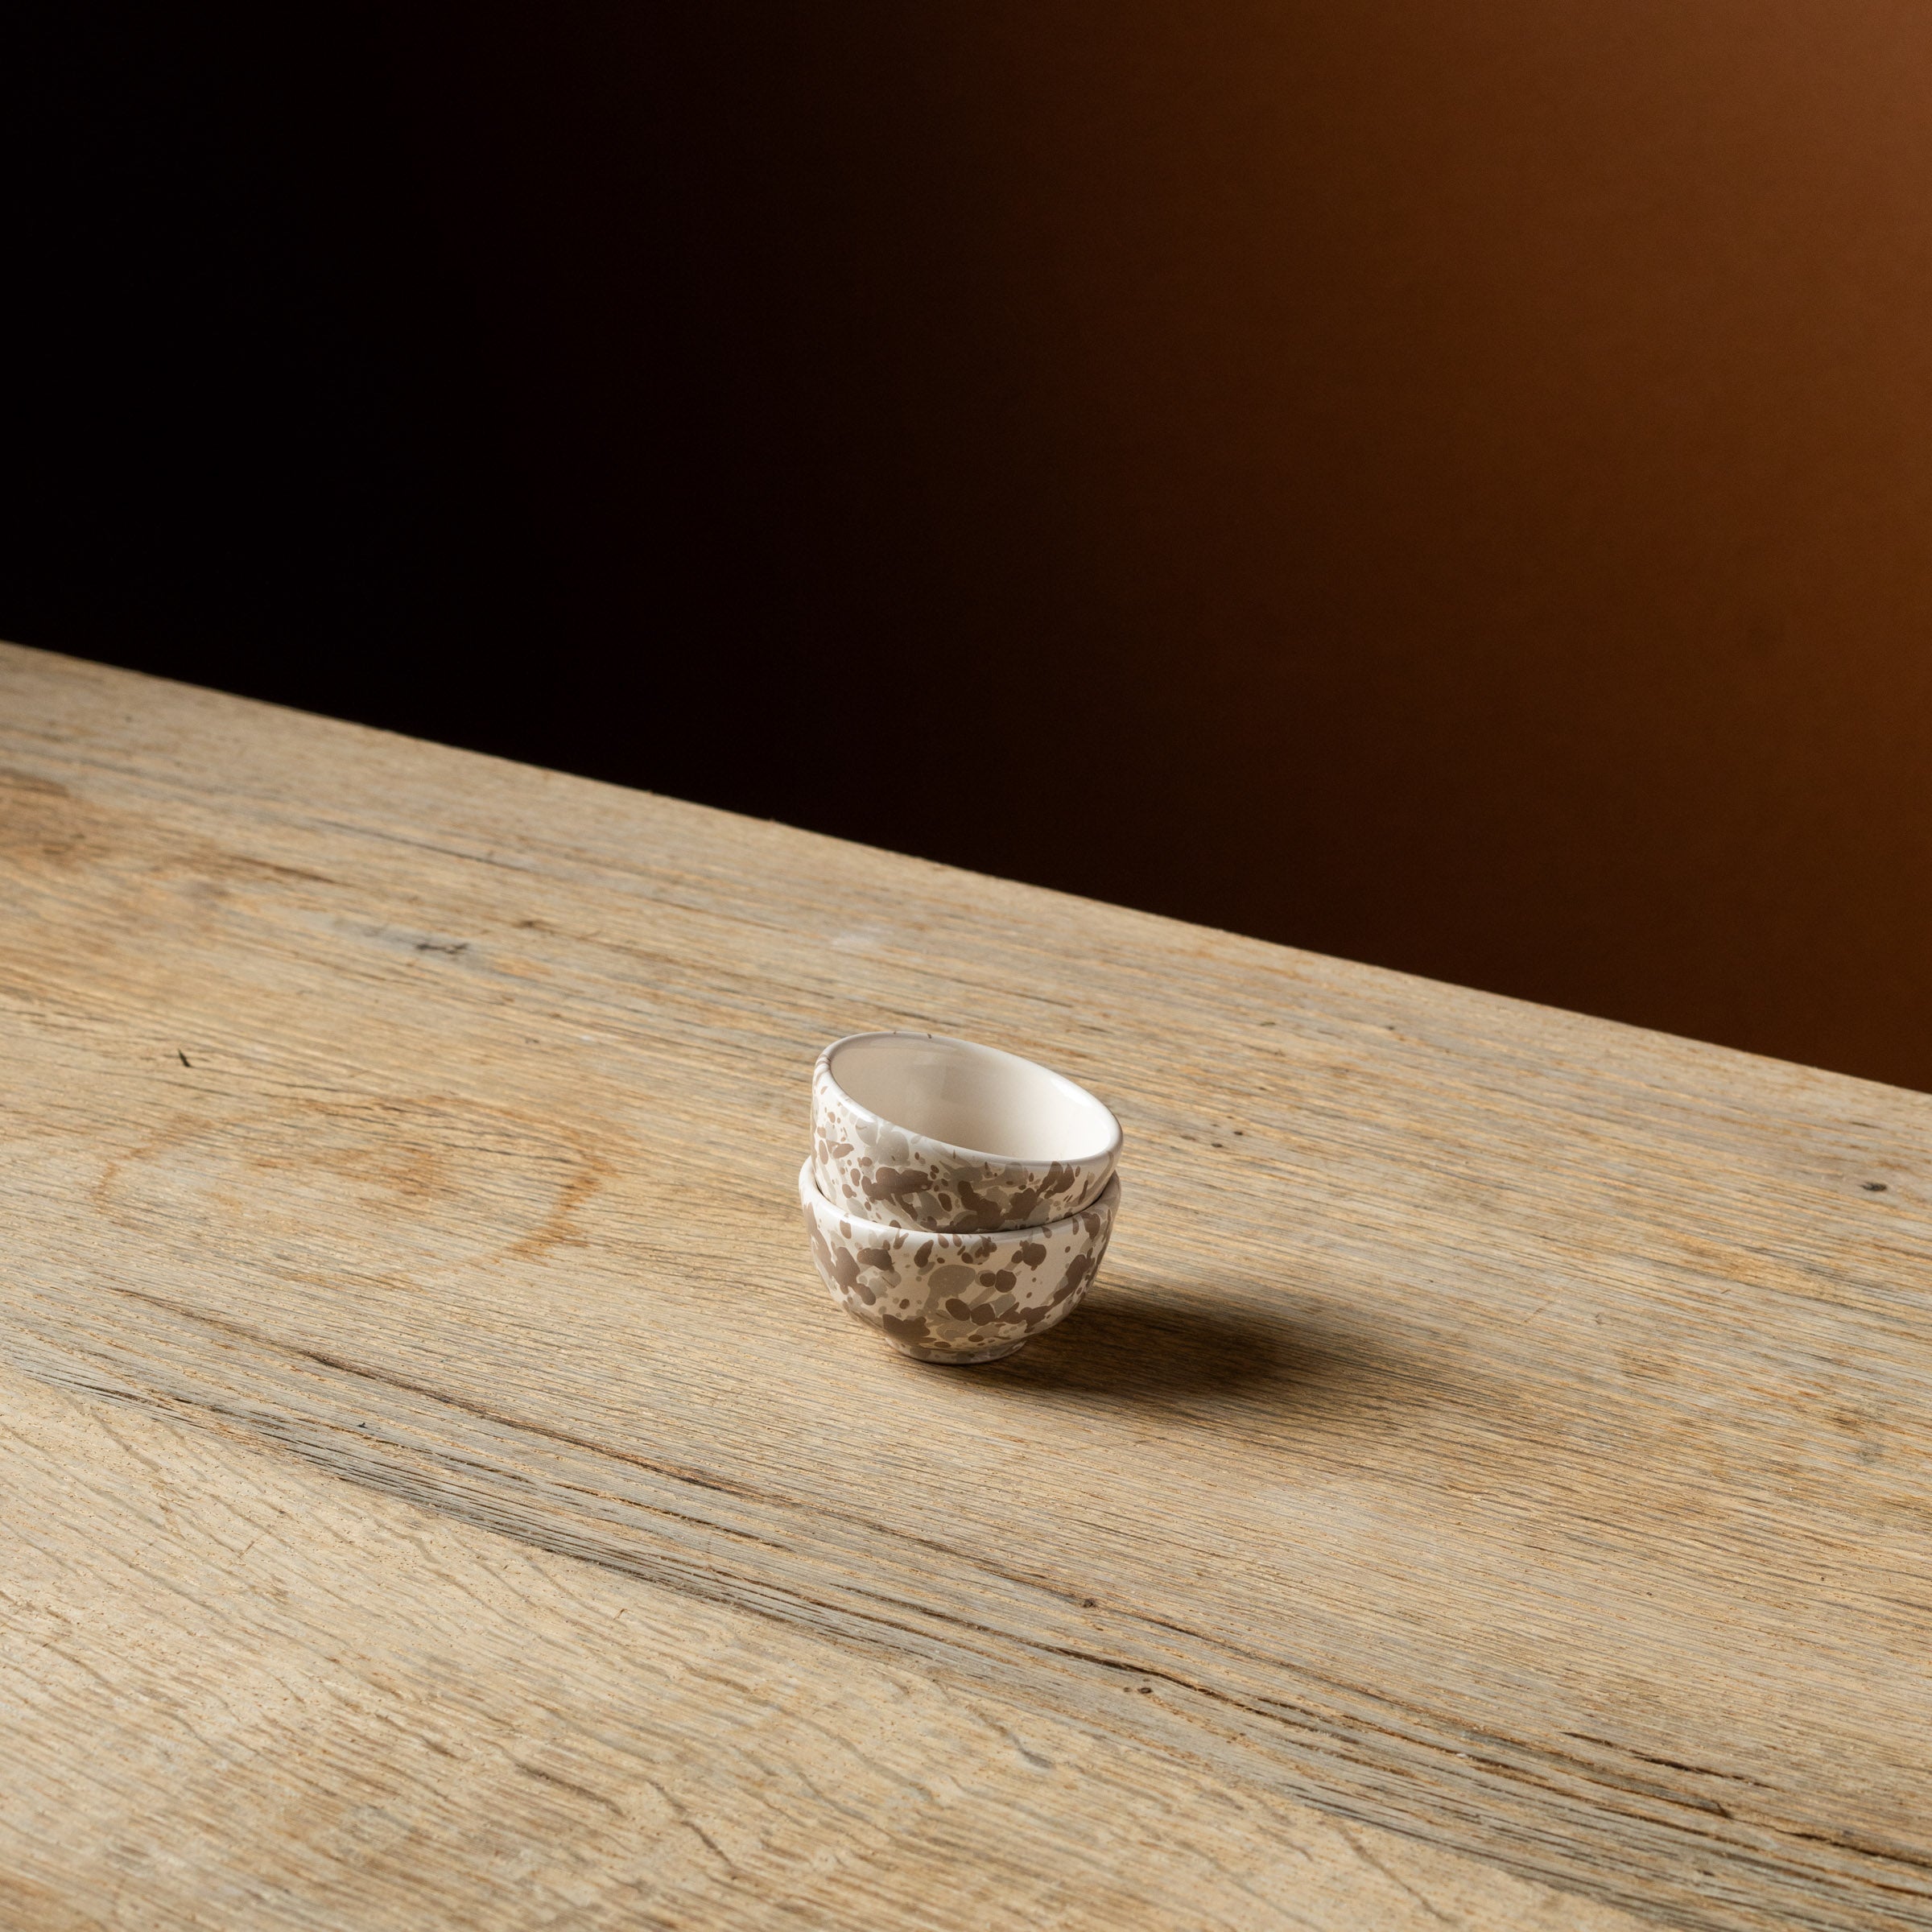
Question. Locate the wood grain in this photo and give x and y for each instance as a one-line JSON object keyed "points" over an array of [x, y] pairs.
{"points": [[1487, 1487]]}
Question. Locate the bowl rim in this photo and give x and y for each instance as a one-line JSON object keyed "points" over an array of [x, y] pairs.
{"points": [[1109, 1151], [1106, 1202]]}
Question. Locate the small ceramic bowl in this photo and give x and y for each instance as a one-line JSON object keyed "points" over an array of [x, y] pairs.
{"points": [[956, 1298], [916, 1130]]}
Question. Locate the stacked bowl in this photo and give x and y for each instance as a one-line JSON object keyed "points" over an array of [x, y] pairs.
{"points": [[959, 1199]]}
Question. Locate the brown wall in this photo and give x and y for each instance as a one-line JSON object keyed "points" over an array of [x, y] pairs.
{"points": [[1446, 485], [1449, 485]]}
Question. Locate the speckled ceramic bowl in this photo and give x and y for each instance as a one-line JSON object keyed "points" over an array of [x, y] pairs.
{"points": [[956, 1298], [916, 1130]]}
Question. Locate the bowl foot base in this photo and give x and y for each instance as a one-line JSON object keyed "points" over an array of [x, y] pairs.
{"points": [[959, 1358]]}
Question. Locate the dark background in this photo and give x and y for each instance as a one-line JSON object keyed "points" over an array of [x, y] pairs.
{"points": [[1445, 485]]}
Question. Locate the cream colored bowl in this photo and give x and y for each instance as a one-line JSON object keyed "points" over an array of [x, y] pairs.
{"points": [[956, 1298], [917, 1130]]}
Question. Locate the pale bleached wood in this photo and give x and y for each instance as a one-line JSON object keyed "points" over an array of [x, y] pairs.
{"points": [[1494, 1458], [251, 1695]]}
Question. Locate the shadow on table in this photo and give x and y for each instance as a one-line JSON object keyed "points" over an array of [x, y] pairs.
{"points": [[1142, 1348]]}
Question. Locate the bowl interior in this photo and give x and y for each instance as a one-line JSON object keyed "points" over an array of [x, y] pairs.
{"points": [[978, 1098]]}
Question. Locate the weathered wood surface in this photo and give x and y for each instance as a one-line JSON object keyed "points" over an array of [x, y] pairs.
{"points": [[1490, 1486]]}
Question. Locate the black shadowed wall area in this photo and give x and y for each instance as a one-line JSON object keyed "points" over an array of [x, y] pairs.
{"points": [[1450, 486]]}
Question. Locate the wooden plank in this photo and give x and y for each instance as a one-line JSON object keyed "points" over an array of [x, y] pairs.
{"points": [[249, 1694], [1493, 1461]]}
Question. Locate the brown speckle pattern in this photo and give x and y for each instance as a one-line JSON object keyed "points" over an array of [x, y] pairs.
{"points": [[899, 1178], [956, 1298]]}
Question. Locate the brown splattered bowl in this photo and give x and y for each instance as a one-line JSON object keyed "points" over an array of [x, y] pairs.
{"points": [[956, 1298], [917, 1130]]}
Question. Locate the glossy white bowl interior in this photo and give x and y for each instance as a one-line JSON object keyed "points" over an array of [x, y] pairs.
{"points": [[978, 1098]]}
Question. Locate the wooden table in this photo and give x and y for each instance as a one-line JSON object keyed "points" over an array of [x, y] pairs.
{"points": [[1488, 1488]]}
